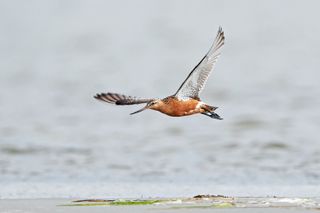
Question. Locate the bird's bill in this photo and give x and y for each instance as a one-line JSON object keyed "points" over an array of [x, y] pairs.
{"points": [[140, 110]]}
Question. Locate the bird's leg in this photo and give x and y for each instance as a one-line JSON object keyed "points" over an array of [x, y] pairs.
{"points": [[212, 115]]}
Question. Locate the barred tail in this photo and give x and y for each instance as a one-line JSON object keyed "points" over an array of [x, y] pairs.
{"points": [[209, 108], [210, 112]]}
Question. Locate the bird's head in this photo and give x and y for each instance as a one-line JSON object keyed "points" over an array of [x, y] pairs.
{"points": [[154, 104]]}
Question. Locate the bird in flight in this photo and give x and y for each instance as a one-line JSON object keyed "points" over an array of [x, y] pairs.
{"points": [[186, 100]]}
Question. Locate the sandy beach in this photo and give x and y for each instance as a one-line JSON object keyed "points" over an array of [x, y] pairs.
{"points": [[205, 204]]}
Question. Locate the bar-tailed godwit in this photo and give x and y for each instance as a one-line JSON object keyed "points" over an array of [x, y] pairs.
{"points": [[186, 100]]}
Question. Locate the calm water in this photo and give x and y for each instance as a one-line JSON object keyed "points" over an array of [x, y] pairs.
{"points": [[57, 141]]}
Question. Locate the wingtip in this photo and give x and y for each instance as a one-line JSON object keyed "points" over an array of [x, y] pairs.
{"points": [[97, 96], [220, 31], [221, 36]]}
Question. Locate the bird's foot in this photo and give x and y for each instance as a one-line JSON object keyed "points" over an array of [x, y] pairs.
{"points": [[212, 115]]}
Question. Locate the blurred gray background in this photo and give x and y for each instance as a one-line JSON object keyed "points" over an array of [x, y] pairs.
{"points": [[57, 141]]}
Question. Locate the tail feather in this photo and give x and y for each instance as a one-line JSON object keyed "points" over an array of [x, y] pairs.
{"points": [[118, 99], [209, 108]]}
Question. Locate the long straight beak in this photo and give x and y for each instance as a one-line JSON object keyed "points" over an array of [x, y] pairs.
{"points": [[140, 110]]}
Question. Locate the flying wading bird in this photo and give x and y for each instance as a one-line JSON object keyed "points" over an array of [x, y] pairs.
{"points": [[186, 100]]}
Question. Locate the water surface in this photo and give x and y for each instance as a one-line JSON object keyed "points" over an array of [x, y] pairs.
{"points": [[57, 141]]}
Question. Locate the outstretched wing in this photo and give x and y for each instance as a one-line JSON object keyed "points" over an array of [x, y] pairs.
{"points": [[194, 83], [118, 99]]}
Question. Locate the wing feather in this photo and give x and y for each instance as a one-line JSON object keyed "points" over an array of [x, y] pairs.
{"points": [[119, 99], [194, 83]]}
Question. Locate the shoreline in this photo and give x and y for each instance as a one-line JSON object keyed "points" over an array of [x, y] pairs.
{"points": [[192, 204], [124, 190]]}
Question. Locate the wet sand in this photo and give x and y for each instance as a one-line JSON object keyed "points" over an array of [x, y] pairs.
{"points": [[216, 204]]}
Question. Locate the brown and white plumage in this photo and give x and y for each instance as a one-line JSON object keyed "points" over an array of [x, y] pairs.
{"points": [[186, 100], [118, 99], [194, 83]]}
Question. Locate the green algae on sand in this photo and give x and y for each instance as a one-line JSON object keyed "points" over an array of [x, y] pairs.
{"points": [[207, 202], [119, 202]]}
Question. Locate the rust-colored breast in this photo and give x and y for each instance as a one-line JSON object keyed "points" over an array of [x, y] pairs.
{"points": [[175, 107]]}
